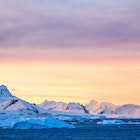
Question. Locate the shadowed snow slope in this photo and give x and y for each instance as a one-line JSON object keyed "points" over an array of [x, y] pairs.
{"points": [[4, 92]]}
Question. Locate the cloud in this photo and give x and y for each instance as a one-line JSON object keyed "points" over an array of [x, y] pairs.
{"points": [[60, 24]]}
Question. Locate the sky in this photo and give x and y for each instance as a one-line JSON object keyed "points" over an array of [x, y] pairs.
{"points": [[67, 50]]}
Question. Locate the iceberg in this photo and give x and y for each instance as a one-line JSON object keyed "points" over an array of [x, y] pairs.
{"points": [[18, 122], [110, 122]]}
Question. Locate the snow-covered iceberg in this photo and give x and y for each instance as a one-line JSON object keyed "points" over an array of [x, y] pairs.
{"points": [[110, 122], [24, 122], [118, 121]]}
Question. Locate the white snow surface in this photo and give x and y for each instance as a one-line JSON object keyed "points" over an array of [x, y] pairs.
{"points": [[18, 106]]}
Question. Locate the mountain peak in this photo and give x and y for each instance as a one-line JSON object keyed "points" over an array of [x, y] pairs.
{"points": [[4, 92]]}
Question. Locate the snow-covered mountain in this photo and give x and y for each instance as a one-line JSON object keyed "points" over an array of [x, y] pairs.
{"points": [[19, 114], [109, 109], [10, 103], [64, 107], [96, 108], [128, 110], [93, 107]]}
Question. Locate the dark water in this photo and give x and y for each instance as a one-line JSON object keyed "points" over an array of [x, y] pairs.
{"points": [[83, 131]]}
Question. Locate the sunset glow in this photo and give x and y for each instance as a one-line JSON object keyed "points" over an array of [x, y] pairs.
{"points": [[71, 51]]}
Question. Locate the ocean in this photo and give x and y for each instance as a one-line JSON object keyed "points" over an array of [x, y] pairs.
{"points": [[82, 131]]}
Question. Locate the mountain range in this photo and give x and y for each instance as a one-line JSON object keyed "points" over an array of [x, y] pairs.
{"points": [[94, 107], [15, 105]]}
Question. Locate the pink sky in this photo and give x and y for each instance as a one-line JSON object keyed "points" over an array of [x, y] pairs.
{"points": [[71, 50]]}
